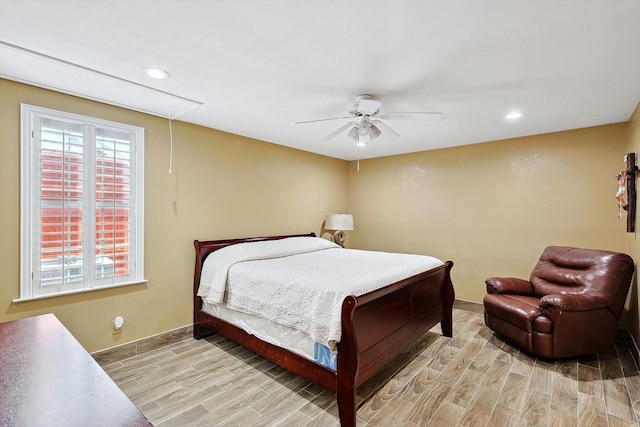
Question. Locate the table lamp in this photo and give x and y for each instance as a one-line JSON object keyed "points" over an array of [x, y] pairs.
{"points": [[339, 223]]}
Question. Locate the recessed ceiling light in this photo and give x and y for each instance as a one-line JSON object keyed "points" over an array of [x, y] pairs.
{"points": [[157, 73], [513, 116]]}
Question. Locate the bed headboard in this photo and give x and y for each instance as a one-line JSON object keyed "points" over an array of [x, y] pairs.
{"points": [[204, 248]]}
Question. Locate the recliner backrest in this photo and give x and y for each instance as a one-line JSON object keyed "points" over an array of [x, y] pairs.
{"points": [[566, 270]]}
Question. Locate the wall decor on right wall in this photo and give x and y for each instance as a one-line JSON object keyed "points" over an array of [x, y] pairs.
{"points": [[627, 183]]}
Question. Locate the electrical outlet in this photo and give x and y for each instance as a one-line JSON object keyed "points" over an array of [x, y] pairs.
{"points": [[118, 322]]}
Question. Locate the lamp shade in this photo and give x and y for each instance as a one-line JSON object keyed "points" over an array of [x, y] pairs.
{"points": [[374, 132], [339, 222], [353, 133]]}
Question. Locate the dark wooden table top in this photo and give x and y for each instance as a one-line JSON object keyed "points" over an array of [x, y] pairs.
{"points": [[48, 379]]}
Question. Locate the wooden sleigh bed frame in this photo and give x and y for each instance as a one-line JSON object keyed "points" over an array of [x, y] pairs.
{"points": [[376, 327]]}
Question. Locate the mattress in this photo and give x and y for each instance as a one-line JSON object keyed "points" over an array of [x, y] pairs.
{"points": [[274, 333]]}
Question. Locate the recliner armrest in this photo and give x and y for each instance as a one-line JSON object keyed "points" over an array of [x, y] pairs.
{"points": [[508, 285], [572, 302]]}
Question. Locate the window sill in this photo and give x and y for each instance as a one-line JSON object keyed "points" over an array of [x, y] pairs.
{"points": [[77, 291]]}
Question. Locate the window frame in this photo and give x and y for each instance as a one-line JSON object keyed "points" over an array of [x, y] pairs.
{"points": [[30, 197]]}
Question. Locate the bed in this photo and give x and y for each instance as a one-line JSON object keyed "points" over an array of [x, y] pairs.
{"points": [[373, 327]]}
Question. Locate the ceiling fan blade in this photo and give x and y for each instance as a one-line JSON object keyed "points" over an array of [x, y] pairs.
{"points": [[386, 127], [368, 106], [321, 120], [435, 114], [338, 131]]}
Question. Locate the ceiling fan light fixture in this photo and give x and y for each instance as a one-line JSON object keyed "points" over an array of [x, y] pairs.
{"points": [[374, 132], [363, 126], [361, 143], [354, 134]]}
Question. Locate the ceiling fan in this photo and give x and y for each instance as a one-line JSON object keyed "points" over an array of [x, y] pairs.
{"points": [[366, 120]]}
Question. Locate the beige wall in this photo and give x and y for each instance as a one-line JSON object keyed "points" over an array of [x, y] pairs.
{"points": [[633, 245], [222, 186], [493, 207]]}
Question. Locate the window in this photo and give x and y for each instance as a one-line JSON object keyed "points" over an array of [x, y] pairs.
{"points": [[82, 203]]}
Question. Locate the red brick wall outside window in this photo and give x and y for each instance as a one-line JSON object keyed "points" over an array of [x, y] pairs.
{"points": [[62, 207]]}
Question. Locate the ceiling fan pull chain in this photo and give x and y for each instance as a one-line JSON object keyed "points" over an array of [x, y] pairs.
{"points": [[170, 143]]}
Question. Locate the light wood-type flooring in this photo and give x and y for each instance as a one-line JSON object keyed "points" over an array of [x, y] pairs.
{"points": [[472, 379]]}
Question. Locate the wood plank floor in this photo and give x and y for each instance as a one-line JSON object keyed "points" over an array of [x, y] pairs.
{"points": [[472, 379]]}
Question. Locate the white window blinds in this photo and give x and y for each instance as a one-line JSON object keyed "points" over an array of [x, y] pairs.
{"points": [[82, 189]]}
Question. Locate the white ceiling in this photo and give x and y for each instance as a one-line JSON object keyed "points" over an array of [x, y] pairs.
{"points": [[252, 67]]}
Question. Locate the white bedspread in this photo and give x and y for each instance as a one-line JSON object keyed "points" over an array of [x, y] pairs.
{"points": [[301, 282]]}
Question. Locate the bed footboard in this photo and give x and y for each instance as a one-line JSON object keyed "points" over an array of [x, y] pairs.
{"points": [[379, 326]]}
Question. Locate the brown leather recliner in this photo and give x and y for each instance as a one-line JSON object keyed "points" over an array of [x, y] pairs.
{"points": [[570, 306]]}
